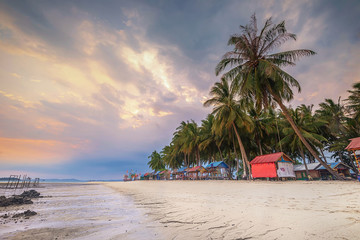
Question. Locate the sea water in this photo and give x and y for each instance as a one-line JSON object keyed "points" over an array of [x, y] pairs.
{"points": [[103, 212]]}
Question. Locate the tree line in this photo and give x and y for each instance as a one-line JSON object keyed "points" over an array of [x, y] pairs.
{"points": [[245, 121]]}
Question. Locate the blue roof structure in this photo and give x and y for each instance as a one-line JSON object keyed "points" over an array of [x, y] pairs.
{"points": [[332, 165], [182, 169], [220, 164]]}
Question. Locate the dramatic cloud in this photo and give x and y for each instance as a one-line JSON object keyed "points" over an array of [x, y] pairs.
{"points": [[90, 89]]}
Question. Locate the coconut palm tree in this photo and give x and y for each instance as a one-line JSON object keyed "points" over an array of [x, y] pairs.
{"points": [[257, 72], [156, 162], [210, 142], [354, 101], [334, 114], [308, 128], [228, 114], [262, 124]]}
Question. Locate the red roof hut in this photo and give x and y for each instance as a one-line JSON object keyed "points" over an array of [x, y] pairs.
{"points": [[272, 165], [354, 146], [196, 172]]}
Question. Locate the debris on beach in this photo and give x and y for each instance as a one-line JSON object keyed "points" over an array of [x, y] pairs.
{"points": [[8, 217], [26, 214], [24, 198], [31, 194]]}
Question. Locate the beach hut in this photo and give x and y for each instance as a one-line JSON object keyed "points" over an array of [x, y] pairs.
{"points": [[354, 146], [274, 165], [217, 170], [164, 175], [300, 171], [148, 176], [180, 173], [339, 167], [196, 172]]}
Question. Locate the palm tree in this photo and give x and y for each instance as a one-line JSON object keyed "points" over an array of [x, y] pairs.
{"points": [[210, 142], [171, 157], [262, 124], [156, 162], [187, 139], [256, 71], [334, 114], [228, 114], [308, 128], [354, 101]]}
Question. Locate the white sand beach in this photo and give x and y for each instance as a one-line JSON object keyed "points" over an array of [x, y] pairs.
{"points": [[248, 210], [190, 210]]}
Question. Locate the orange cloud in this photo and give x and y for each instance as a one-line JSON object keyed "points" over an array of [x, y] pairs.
{"points": [[34, 151]]}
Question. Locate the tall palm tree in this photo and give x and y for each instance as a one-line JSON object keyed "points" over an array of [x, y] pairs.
{"points": [[228, 114], [257, 72]]}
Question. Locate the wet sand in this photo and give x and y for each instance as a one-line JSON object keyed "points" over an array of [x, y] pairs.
{"points": [[248, 210], [77, 211]]}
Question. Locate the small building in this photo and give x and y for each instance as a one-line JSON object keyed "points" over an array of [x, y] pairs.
{"points": [[165, 175], [179, 174], [300, 171], [217, 170], [354, 147], [274, 165], [196, 173], [148, 176], [339, 167]]}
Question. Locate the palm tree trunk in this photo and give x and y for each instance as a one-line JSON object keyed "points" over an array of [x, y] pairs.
{"points": [[353, 166], [185, 159], [303, 157], [243, 153], [236, 157], [259, 145], [221, 156], [322, 154], [303, 140], [198, 154]]}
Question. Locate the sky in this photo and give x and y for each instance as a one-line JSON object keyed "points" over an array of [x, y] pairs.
{"points": [[88, 89]]}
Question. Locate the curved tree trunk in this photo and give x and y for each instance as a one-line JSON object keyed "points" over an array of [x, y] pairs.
{"points": [[221, 156], [185, 164], [322, 154], [259, 145], [236, 157], [303, 140], [243, 153], [303, 157]]}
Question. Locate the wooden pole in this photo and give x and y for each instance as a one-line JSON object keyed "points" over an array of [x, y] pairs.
{"points": [[356, 160]]}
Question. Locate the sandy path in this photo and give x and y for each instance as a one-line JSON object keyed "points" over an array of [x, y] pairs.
{"points": [[249, 210]]}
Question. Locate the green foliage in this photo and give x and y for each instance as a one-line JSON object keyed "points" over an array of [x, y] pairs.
{"points": [[156, 162], [244, 124]]}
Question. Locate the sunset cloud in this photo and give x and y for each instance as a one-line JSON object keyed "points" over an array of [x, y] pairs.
{"points": [[88, 84]]}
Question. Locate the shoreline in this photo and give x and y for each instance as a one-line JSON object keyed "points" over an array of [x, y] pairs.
{"points": [[78, 211], [248, 210]]}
